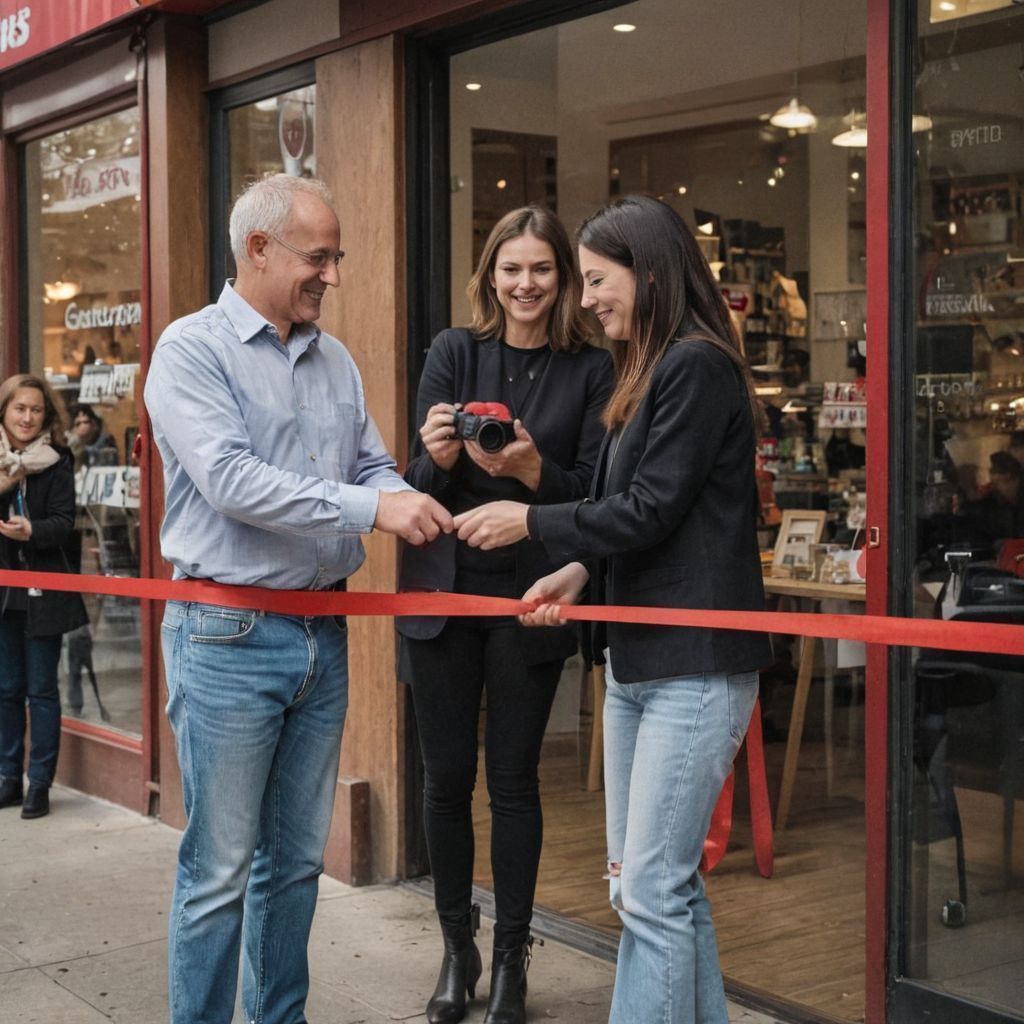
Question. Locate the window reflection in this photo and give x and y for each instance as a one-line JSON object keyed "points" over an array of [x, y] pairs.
{"points": [[83, 316], [966, 846]]}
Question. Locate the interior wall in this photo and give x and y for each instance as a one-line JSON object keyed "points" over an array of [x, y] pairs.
{"points": [[522, 98], [738, 67]]}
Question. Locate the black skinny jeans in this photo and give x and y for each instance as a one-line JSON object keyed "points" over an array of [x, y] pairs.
{"points": [[449, 675]]}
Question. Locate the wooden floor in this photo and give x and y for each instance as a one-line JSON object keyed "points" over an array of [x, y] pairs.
{"points": [[798, 935]]}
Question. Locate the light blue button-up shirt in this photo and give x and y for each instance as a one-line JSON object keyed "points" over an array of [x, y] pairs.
{"points": [[272, 465]]}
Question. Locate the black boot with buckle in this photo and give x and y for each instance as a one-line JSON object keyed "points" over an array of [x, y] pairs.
{"points": [[10, 791], [460, 970], [507, 1004]]}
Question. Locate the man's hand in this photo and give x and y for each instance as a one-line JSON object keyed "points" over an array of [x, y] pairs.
{"points": [[16, 528], [414, 517], [550, 592], [519, 458], [494, 525]]}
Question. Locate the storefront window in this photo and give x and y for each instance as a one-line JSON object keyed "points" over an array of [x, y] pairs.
{"points": [[690, 106], [965, 850], [83, 319], [272, 136], [261, 127]]}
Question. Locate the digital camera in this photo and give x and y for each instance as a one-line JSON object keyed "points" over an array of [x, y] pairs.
{"points": [[487, 423]]}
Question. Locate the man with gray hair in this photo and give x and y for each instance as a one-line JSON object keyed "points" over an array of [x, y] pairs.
{"points": [[272, 469]]}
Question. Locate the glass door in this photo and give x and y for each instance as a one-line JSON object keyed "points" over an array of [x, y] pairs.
{"points": [[82, 328], [763, 154], [961, 858]]}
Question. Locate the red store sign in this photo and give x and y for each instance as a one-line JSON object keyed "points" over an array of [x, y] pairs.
{"points": [[31, 27]]}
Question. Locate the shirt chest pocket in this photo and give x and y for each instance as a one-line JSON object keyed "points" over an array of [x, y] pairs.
{"points": [[338, 433]]}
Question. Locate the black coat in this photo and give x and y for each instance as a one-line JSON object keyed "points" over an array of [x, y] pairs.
{"points": [[563, 417], [677, 526], [50, 501]]}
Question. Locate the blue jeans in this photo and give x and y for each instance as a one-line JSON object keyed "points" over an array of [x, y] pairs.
{"points": [[669, 747], [257, 703], [28, 671]]}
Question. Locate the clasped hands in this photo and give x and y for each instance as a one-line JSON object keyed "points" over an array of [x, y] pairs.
{"points": [[499, 523]]}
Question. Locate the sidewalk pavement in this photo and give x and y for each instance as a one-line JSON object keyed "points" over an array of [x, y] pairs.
{"points": [[83, 904]]}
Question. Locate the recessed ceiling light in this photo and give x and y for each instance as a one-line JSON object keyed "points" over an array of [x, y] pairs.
{"points": [[474, 86], [501, 183], [681, 190], [624, 26]]}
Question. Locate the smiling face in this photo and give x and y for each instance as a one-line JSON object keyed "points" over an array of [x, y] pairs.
{"points": [[24, 417], [525, 282], [281, 284], [609, 289]]}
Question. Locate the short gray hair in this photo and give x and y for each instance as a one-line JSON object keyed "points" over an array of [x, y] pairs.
{"points": [[266, 205]]}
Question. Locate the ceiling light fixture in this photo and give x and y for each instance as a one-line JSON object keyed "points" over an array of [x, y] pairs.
{"points": [[61, 291], [856, 133], [794, 114], [474, 86], [624, 27]]}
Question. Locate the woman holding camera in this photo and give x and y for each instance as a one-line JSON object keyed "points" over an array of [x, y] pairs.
{"points": [[671, 523], [37, 505], [527, 348]]}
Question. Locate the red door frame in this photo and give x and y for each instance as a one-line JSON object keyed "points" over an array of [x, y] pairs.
{"points": [[876, 709]]}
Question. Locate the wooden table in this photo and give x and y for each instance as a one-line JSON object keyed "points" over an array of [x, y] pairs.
{"points": [[809, 591]]}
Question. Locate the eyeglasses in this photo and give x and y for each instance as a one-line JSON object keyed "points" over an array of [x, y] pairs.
{"points": [[318, 259]]}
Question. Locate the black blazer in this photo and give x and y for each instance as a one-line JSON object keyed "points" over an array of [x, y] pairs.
{"points": [[677, 527], [563, 417], [50, 501]]}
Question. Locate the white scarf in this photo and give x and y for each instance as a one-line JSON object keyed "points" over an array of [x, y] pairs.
{"points": [[34, 458]]}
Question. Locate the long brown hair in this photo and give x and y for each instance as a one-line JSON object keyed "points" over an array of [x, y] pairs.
{"points": [[54, 417], [676, 297], [569, 325]]}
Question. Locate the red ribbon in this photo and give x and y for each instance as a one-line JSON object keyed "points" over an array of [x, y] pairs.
{"points": [[871, 629], [942, 634]]}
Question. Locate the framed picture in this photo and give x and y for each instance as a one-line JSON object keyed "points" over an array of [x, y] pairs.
{"points": [[798, 531]]}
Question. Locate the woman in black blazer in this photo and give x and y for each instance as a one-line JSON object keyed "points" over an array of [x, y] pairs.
{"points": [[37, 518], [671, 522], [527, 348]]}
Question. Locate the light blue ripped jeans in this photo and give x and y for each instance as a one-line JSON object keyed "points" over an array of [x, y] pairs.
{"points": [[257, 703], [668, 747]]}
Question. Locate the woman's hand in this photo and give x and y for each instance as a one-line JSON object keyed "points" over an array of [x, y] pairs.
{"points": [[438, 435], [519, 458], [549, 593], [494, 525], [8, 481], [16, 528]]}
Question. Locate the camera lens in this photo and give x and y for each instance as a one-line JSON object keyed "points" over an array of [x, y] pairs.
{"points": [[491, 436]]}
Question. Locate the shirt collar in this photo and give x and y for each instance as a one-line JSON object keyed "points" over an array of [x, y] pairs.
{"points": [[248, 323]]}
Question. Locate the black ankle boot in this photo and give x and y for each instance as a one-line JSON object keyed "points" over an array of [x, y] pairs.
{"points": [[37, 801], [10, 791], [460, 970], [507, 1004]]}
